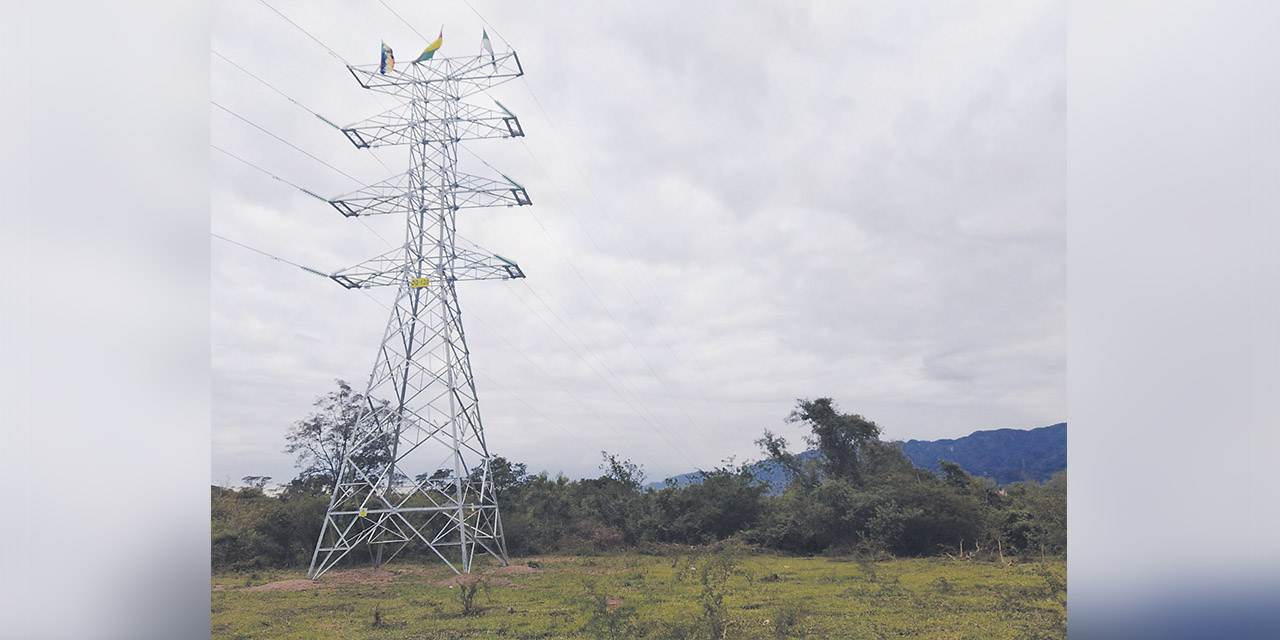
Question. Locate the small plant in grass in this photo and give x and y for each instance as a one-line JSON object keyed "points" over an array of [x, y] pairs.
{"points": [[713, 571], [377, 616], [467, 596], [606, 620], [1055, 587], [867, 564], [787, 618], [944, 586]]}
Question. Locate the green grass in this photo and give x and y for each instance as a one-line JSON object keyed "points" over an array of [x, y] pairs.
{"points": [[685, 594]]}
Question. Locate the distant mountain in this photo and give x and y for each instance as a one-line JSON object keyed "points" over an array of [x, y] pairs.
{"points": [[1003, 455]]}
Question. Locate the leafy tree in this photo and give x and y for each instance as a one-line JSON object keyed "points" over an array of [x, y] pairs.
{"points": [[627, 472], [536, 513], [1046, 509], [251, 530], [725, 502], [775, 448], [839, 438], [504, 474], [321, 439]]}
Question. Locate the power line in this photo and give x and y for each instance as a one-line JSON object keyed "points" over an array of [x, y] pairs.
{"points": [[290, 99], [306, 191], [308, 33], [406, 22], [486, 23], [273, 88], [273, 257], [260, 128], [268, 173]]}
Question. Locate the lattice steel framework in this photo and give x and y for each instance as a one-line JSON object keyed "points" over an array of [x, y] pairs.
{"points": [[421, 415]]}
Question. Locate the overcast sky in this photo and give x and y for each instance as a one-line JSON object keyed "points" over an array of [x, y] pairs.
{"points": [[735, 205]]}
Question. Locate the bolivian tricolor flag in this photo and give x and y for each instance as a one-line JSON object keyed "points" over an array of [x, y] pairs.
{"points": [[431, 48]]}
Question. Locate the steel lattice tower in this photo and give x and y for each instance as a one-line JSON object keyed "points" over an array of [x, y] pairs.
{"points": [[416, 466]]}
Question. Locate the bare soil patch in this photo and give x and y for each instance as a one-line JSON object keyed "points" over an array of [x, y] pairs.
{"points": [[359, 576], [513, 569], [284, 585], [464, 578], [348, 576]]}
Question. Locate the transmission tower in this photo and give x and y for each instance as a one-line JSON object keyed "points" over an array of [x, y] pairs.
{"points": [[415, 469]]}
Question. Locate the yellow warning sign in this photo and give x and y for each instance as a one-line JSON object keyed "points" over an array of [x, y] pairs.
{"points": [[363, 513], [418, 283]]}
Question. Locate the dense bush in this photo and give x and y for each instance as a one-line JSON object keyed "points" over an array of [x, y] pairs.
{"points": [[870, 498], [252, 530], [915, 515]]}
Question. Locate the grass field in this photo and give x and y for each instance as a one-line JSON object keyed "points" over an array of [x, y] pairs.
{"points": [[686, 593]]}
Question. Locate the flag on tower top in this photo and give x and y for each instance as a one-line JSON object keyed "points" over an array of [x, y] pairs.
{"points": [[431, 48], [388, 61], [485, 45]]}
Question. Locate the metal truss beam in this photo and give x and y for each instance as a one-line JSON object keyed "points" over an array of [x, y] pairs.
{"points": [[473, 123], [464, 192]]}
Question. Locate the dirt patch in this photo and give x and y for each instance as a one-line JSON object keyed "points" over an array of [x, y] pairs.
{"points": [[465, 578], [348, 576], [219, 587], [513, 569], [359, 576], [612, 601], [458, 580], [284, 585]]}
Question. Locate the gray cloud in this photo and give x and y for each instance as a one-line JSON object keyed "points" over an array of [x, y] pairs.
{"points": [[734, 207]]}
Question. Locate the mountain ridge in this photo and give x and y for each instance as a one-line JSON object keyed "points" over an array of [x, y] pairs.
{"points": [[1002, 455]]}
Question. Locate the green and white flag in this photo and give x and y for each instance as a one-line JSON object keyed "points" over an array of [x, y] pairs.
{"points": [[485, 45]]}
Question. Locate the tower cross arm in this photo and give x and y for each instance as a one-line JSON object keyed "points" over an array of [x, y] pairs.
{"points": [[474, 74], [388, 269], [467, 122], [394, 195], [378, 271], [479, 265]]}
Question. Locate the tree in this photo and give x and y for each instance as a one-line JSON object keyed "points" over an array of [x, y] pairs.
{"points": [[627, 472], [845, 444], [775, 448], [320, 440], [503, 474], [839, 438], [725, 502]]}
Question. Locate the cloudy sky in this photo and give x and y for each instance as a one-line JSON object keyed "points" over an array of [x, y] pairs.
{"points": [[735, 205]]}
